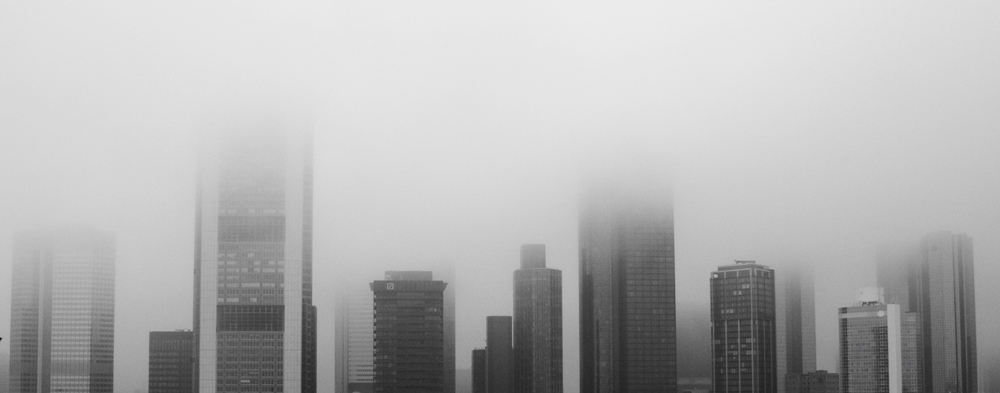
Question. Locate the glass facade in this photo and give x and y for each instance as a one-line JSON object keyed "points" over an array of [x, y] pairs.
{"points": [[355, 339], [254, 318], [409, 334], [796, 322], [628, 340], [171, 362], [62, 312], [743, 329], [879, 349], [538, 365]]}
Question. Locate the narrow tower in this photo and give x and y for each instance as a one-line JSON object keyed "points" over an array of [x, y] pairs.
{"points": [[743, 329], [538, 347]]}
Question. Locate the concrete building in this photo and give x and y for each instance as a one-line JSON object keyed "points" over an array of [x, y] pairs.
{"points": [[936, 279], [796, 322], [538, 347], [409, 333], [743, 329], [355, 339], [813, 382], [171, 362], [63, 312], [879, 347], [479, 370], [628, 337], [499, 355], [254, 321]]}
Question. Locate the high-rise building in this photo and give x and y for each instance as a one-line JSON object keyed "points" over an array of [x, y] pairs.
{"points": [[171, 361], [879, 347], [446, 272], [743, 329], [796, 322], [479, 370], [936, 280], [355, 339], [4, 372], [814, 382], [63, 312], [628, 337], [499, 355], [409, 333], [538, 347], [463, 380], [254, 321]]}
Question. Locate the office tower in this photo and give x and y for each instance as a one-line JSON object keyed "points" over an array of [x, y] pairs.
{"points": [[796, 322], [409, 333], [479, 370], [814, 382], [63, 311], [879, 346], [171, 361], [255, 324], [355, 339], [627, 311], [4, 370], [743, 329], [499, 355], [463, 380], [537, 324], [446, 272], [936, 280]]}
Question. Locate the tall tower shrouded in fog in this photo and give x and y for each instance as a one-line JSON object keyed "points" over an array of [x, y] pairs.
{"points": [[254, 322], [538, 347], [627, 301], [796, 322], [63, 312]]}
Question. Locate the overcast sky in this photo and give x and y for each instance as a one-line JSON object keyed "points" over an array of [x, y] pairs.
{"points": [[456, 131]]}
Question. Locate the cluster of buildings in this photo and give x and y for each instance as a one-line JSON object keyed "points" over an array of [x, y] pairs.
{"points": [[254, 322]]}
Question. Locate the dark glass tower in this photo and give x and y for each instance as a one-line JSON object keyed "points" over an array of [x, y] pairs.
{"points": [[499, 354], [479, 370], [63, 312], [171, 361], [254, 324], [936, 280], [538, 348], [796, 323], [409, 333], [627, 301], [743, 329]]}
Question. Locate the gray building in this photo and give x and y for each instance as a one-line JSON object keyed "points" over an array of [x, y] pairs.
{"points": [[628, 337], [463, 380], [4, 372], [796, 322], [409, 333], [63, 312], [814, 382], [499, 355], [171, 362], [936, 280], [479, 370], [254, 321], [744, 356], [538, 347], [879, 347], [355, 338]]}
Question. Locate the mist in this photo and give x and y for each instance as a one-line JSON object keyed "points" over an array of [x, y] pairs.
{"points": [[454, 133]]}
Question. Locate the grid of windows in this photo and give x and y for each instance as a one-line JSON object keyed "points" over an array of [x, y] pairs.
{"points": [[743, 329], [409, 336]]}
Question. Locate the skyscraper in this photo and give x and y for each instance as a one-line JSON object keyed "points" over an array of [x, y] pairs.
{"points": [[355, 339], [814, 382], [627, 301], [171, 361], [538, 347], [499, 355], [254, 322], [879, 347], [743, 329], [796, 322], [63, 312], [936, 280], [409, 333], [479, 370]]}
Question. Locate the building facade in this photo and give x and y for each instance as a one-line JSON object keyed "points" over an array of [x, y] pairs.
{"points": [[409, 333], [628, 337], [63, 312], [171, 362], [796, 322], [499, 354], [538, 364], [879, 347], [254, 321], [814, 382], [744, 357], [355, 339], [936, 279], [479, 370]]}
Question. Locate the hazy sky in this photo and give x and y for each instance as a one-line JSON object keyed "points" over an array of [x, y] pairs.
{"points": [[456, 131]]}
